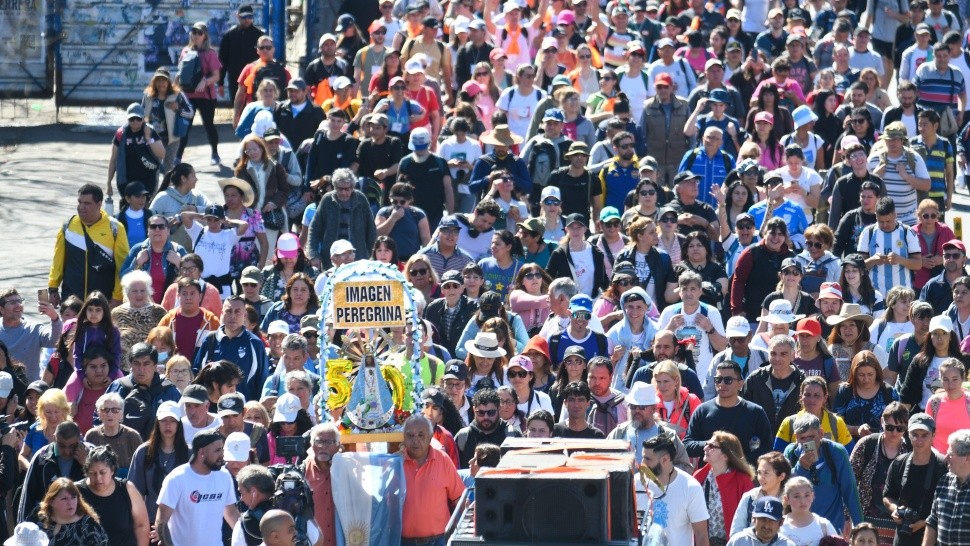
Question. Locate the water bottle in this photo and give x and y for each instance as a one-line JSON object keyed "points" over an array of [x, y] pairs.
{"points": [[109, 205]]}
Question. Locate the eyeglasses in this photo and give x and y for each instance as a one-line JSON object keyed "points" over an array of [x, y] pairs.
{"points": [[13, 302], [188, 269], [313, 335], [533, 275], [397, 88], [582, 315], [528, 75], [177, 371], [521, 375], [737, 339], [485, 412], [324, 443], [745, 226], [894, 428], [506, 401], [857, 120], [551, 202], [661, 86], [418, 272], [623, 282], [814, 244], [626, 146], [725, 380], [378, 32], [477, 74], [929, 216], [265, 48], [247, 16], [952, 255], [671, 220], [136, 119], [505, 178], [111, 410], [157, 226], [613, 223], [648, 193]]}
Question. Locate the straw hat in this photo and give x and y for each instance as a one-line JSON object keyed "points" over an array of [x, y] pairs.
{"points": [[501, 136], [849, 311], [248, 195], [485, 345]]}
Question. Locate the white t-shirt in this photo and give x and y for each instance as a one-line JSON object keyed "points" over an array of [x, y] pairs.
{"points": [[540, 400], [633, 86], [682, 505], [807, 180], [702, 351], [890, 331], [479, 247], [809, 535], [583, 269], [190, 431], [470, 151], [754, 15], [215, 249], [198, 503], [520, 108]]}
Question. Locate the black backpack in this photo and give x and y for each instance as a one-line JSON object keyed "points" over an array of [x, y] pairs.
{"points": [[139, 410], [274, 71], [190, 73], [543, 161]]}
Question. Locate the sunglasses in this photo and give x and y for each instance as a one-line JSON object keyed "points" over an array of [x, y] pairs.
{"points": [[776, 233], [313, 335], [745, 226], [859, 120], [477, 74], [929, 216], [397, 88], [648, 193], [551, 202], [585, 56], [623, 282], [613, 223], [485, 413], [792, 272], [952, 255], [813, 244], [582, 315], [670, 220], [195, 32], [533, 276], [157, 226], [378, 32], [725, 380], [521, 375], [418, 272], [265, 48], [894, 428]]}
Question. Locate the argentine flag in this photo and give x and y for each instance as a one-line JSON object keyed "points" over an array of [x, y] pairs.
{"points": [[368, 492]]}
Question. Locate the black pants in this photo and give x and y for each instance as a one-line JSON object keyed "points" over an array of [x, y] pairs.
{"points": [[206, 108]]}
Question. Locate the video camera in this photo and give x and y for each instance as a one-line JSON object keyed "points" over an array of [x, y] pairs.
{"points": [[293, 493], [5, 427], [292, 447]]}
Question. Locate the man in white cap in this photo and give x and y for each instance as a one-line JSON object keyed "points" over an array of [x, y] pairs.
{"points": [[751, 359], [238, 452], [430, 176], [196, 495], [641, 404], [425, 42], [342, 252], [231, 407], [325, 69]]}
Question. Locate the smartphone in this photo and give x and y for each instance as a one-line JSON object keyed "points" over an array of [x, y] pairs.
{"points": [[43, 296], [809, 446]]}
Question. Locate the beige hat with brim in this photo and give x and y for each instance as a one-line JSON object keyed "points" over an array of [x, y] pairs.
{"points": [[849, 311], [249, 196], [501, 136]]}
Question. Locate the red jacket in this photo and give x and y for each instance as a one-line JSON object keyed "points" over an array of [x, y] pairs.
{"points": [[679, 418], [447, 442], [732, 485], [943, 234]]}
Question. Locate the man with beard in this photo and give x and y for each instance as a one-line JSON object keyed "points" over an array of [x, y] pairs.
{"points": [[938, 291], [231, 407], [487, 428], [325, 443], [196, 494], [665, 348], [766, 518], [829, 302], [678, 506], [642, 425], [433, 483], [620, 175]]}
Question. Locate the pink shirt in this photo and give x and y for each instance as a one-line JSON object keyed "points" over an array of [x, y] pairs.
{"points": [[952, 417]]}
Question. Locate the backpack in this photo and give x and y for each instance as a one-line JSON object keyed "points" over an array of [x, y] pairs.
{"points": [[409, 45], [189, 73], [543, 161], [139, 404], [372, 190], [523, 30], [692, 157], [274, 71]]}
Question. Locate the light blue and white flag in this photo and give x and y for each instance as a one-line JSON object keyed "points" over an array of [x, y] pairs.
{"points": [[368, 492]]}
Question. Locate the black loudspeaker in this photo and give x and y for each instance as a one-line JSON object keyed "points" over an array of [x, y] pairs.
{"points": [[623, 517], [546, 507]]}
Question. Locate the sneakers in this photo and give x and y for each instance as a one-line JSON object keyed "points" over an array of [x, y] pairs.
{"points": [[215, 160]]}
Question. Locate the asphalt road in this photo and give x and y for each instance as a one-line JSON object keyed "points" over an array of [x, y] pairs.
{"points": [[42, 166]]}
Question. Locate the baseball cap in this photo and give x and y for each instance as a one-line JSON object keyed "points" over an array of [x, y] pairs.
{"points": [[272, 134], [664, 42], [923, 28], [287, 406], [574, 219], [743, 216], [489, 303], [792, 262], [685, 176], [734, 46], [719, 95], [6, 384], [40, 387], [497, 53], [609, 213], [215, 211], [648, 162], [533, 225], [135, 188], [768, 507], [713, 62], [553, 114], [472, 88], [831, 290], [237, 448], [551, 191], [231, 404], [341, 246], [168, 408], [194, 394], [278, 327], [549, 43], [430, 22], [737, 327], [206, 437], [135, 110], [244, 9], [288, 246], [764, 116], [452, 276], [309, 323], [580, 302], [477, 24], [574, 350], [297, 83], [413, 66], [895, 130], [420, 140], [449, 222], [456, 369], [810, 326], [520, 361], [434, 396], [251, 275], [344, 22], [922, 421], [957, 244]]}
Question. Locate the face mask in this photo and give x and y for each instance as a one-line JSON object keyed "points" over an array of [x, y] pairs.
{"points": [[162, 357]]}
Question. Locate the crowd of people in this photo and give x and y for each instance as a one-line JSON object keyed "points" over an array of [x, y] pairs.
{"points": [[700, 227]]}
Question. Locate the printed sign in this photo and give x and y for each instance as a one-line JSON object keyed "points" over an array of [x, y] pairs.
{"points": [[368, 304]]}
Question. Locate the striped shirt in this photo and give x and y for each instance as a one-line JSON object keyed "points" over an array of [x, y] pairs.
{"points": [[902, 193], [938, 158], [901, 241], [937, 90]]}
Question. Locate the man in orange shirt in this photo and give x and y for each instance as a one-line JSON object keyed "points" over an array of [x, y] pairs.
{"points": [[433, 486], [325, 442]]}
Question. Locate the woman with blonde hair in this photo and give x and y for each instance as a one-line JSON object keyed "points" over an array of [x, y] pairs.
{"points": [[178, 370], [419, 272], [68, 519], [267, 95], [169, 112], [677, 404], [268, 180], [52, 410], [727, 474]]}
